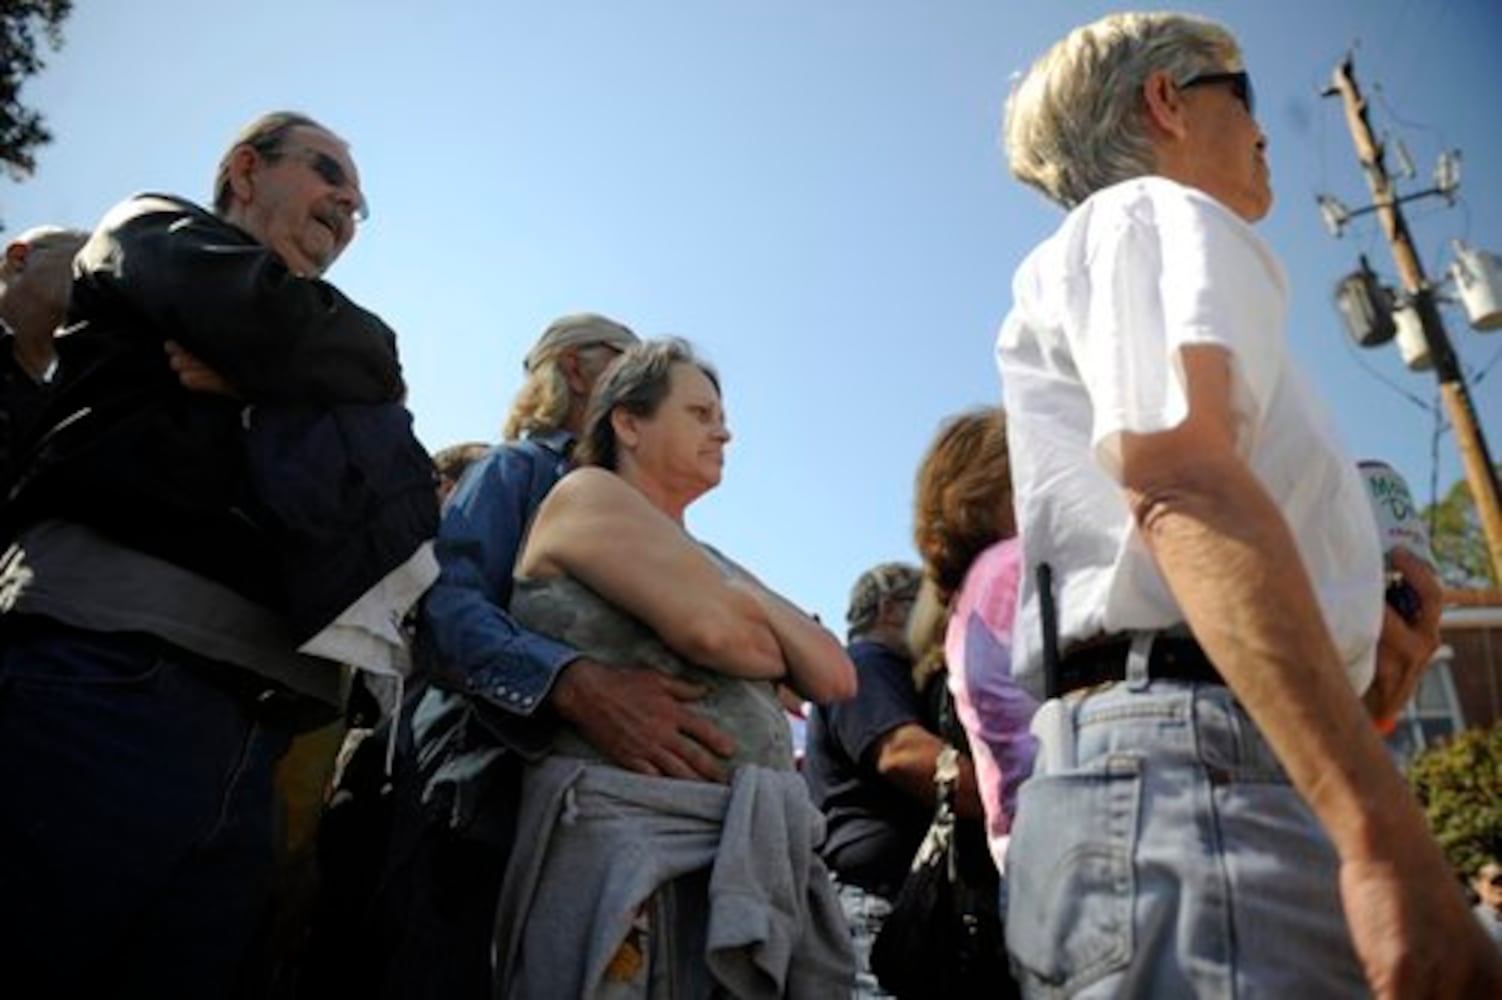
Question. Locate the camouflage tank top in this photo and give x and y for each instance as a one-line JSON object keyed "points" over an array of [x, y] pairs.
{"points": [[565, 609]]}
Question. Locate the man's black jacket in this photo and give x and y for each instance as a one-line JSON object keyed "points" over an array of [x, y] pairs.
{"points": [[124, 448]]}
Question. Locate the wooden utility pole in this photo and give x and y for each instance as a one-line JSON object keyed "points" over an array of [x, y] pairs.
{"points": [[1481, 474]]}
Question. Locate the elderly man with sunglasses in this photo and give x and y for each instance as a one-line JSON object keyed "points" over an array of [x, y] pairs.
{"points": [[1213, 813], [150, 677]]}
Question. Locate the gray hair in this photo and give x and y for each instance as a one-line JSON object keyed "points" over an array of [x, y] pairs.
{"points": [[265, 135], [637, 382], [882, 582], [1074, 122], [542, 403]]}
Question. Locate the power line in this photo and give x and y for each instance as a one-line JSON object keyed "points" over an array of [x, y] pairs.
{"points": [[1486, 368], [1381, 94], [1480, 471], [1367, 367]]}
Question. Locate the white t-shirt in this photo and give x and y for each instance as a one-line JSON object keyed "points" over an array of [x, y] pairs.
{"points": [[1091, 350]]}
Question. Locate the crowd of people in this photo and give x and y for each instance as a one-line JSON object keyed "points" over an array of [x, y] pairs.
{"points": [[290, 708]]}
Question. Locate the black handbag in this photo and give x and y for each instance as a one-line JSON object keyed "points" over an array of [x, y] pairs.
{"points": [[945, 935]]}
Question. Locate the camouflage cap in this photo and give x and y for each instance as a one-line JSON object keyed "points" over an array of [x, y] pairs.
{"points": [[883, 581]]}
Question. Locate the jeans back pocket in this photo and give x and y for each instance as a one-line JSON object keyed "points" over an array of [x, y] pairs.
{"points": [[1070, 877]]}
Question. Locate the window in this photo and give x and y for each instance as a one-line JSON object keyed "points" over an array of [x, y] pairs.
{"points": [[1432, 715]]}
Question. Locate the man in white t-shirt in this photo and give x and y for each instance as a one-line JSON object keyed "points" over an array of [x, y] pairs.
{"points": [[1213, 812]]}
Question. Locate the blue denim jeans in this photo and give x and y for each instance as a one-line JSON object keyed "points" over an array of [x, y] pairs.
{"points": [[135, 817], [1166, 855]]}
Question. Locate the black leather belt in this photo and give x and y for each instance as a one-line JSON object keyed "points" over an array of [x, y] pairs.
{"points": [[1104, 661]]}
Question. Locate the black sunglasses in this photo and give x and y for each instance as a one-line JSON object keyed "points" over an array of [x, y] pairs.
{"points": [[1241, 86], [332, 172]]}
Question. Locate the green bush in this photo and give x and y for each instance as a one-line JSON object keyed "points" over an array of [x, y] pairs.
{"points": [[1459, 784]]}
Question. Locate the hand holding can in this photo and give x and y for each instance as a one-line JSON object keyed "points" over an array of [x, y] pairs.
{"points": [[1398, 524], [1403, 651]]}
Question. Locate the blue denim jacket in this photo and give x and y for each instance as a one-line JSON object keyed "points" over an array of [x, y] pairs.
{"points": [[467, 638]]}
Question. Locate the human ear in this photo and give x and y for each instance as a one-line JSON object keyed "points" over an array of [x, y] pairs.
{"points": [[1163, 104], [624, 425], [15, 257], [242, 163]]}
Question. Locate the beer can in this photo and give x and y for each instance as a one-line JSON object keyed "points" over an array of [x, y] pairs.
{"points": [[1398, 520], [1398, 523]]}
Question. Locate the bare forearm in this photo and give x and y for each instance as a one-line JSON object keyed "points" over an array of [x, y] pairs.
{"points": [[603, 532], [907, 758], [816, 663], [1232, 564]]}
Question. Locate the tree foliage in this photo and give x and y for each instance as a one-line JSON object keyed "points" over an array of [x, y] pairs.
{"points": [[1459, 784], [22, 130], [1458, 541]]}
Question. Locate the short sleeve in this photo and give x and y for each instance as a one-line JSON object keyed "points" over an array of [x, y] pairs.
{"points": [[1165, 269], [884, 701]]}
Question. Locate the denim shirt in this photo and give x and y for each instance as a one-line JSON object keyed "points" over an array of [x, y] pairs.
{"points": [[466, 636]]}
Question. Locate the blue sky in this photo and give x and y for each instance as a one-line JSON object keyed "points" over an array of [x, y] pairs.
{"points": [[811, 191]]}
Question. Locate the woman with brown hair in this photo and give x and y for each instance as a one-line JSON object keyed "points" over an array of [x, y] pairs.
{"points": [[965, 532]]}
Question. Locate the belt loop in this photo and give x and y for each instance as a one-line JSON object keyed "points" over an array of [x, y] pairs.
{"points": [[1138, 656]]}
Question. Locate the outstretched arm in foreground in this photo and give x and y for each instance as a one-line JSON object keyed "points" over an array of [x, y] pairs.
{"points": [[1224, 548]]}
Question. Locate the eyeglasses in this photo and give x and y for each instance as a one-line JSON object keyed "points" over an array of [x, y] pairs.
{"points": [[1241, 86], [332, 172]]}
